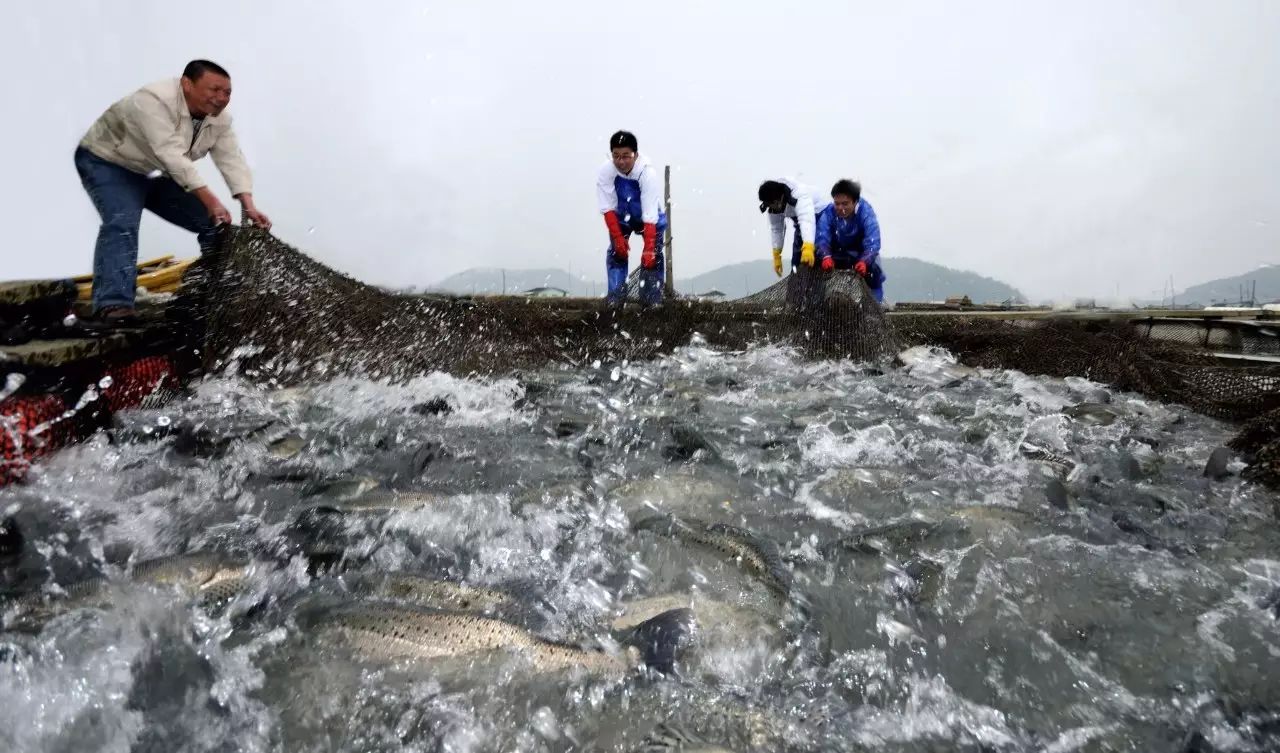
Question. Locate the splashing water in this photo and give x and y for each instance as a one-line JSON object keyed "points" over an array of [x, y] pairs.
{"points": [[939, 601]]}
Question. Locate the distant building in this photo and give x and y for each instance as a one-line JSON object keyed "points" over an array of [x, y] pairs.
{"points": [[546, 292], [711, 295]]}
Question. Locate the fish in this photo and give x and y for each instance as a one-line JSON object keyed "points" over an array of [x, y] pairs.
{"points": [[1096, 414], [436, 406], [670, 738], [756, 555], [380, 501], [341, 488], [991, 514], [425, 591], [926, 578], [212, 577], [1216, 468], [672, 492], [287, 446], [381, 631], [689, 442], [904, 534], [1062, 464], [711, 614], [934, 366]]}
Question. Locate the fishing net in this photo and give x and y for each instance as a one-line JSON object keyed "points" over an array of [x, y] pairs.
{"points": [[267, 311], [276, 315]]}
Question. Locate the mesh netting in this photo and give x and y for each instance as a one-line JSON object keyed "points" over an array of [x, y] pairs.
{"points": [[280, 317], [1112, 352], [283, 317]]}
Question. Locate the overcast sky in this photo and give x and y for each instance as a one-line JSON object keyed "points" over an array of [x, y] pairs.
{"points": [[1076, 148]]}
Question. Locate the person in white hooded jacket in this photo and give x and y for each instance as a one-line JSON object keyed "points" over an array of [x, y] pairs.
{"points": [[629, 196], [785, 199]]}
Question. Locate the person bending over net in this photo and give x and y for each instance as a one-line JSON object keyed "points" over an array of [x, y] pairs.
{"points": [[629, 192]]}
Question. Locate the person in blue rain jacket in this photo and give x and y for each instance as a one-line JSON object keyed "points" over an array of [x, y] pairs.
{"points": [[848, 236]]}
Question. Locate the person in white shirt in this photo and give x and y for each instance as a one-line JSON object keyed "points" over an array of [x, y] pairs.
{"points": [[785, 199], [629, 195]]}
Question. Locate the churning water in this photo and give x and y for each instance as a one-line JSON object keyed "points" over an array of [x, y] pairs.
{"points": [[947, 560]]}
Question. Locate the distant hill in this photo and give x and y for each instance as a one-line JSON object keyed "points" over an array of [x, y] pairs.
{"points": [[1229, 289], [489, 280], [915, 280], [908, 280]]}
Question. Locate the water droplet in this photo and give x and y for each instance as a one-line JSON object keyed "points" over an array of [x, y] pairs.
{"points": [[616, 374], [163, 421], [105, 382], [69, 320], [544, 721]]}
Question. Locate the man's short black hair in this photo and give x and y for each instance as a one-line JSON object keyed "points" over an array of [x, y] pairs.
{"points": [[197, 68], [624, 140], [771, 191], [848, 188]]}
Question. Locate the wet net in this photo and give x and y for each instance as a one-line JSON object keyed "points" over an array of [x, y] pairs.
{"points": [[268, 312], [278, 316]]}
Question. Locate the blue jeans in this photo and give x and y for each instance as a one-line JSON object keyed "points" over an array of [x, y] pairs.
{"points": [[120, 195]]}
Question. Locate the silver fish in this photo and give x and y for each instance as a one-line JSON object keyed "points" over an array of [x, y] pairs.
{"points": [[389, 632], [1096, 414], [287, 446], [430, 592], [900, 535], [1063, 465], [757, 555], [341, 488], [382, 501], [212, 576]]}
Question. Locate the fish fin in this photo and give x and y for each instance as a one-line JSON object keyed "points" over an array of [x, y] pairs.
{"points": [[766, 547], [662, 638]]}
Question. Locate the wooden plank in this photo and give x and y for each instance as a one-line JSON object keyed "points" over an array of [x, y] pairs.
{"points": [[141, 266]]}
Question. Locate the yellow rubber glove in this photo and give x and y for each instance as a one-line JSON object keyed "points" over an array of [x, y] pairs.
{"points": [[806, 255], [777, 262]]}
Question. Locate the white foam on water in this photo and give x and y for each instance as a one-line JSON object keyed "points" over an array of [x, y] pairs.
{"points": [[877, 445]]}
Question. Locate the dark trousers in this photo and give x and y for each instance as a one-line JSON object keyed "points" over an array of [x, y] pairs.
{"points": [[120, 195]]}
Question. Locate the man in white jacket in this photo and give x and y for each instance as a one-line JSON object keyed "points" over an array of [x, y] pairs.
{"points": [[140, 154], [629, 196], [786, 199]]}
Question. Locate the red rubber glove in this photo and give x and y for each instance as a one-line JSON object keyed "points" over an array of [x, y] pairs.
{"points": [[615, 234], [649, 259], [860, 268], [828, 264]]}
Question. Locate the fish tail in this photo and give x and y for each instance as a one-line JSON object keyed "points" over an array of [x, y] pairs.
{"points": [[663, 638]]}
